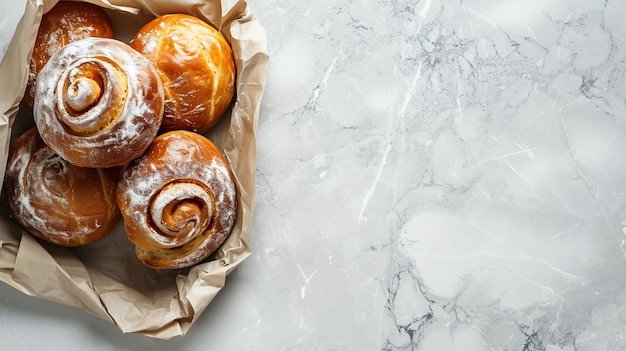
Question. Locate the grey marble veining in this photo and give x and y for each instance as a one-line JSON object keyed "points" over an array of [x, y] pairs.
{"points": [[432, 175], [447, 175]]}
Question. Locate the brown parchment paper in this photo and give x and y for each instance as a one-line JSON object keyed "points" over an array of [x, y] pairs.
{"points": [[105, 278]]}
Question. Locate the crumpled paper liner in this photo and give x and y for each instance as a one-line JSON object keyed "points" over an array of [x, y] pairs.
{"points": [[105, 278]]}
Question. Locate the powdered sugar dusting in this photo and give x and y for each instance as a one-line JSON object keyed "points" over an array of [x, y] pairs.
{"points": [[185, 164], [53, 43], [102, 137], [183, 232], [82, 93], [37, 183]]}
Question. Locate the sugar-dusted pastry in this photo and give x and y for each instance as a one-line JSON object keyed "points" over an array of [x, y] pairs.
{"points": [[98, 103], [197, 68], [178, 200], [55, 200], [67, 21]]}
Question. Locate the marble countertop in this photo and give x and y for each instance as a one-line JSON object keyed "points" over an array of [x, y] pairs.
{"points": [[432, 175]]}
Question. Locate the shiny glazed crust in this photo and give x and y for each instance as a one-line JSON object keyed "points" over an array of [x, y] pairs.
{"points": [[178, 200], [56, 201], [66, 22], [197, 68], [98, 103]]}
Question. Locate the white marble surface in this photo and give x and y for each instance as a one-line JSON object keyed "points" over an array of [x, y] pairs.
{"points": [[432, 175]]}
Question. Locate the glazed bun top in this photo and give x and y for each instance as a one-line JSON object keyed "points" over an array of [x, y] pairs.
{"points": [[197, 68]]}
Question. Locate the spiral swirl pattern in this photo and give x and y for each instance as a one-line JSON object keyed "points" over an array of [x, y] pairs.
{"points": [[55, 200], [67, 21], [180, 212], [91, 88], [98, 103], [178, 200]]}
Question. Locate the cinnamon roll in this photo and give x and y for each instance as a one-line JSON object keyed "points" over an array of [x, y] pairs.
{"points": [[66, 22], [178, 200], [55, 200], [98, 103]]}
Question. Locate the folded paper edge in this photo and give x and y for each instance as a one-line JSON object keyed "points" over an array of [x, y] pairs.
{"points": [[26, 28], [30, 21]]}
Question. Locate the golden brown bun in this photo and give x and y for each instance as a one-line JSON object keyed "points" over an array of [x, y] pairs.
{"points": [[178, 200], [56, 201], [67, 21], [197, 69], [98, 103]]}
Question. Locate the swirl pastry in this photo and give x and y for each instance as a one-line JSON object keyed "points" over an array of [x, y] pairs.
{"points": [[66, 22], [56, 201], [178, 200], [197, 68], [98, 103]]}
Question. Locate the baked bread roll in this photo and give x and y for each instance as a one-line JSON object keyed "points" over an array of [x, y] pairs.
{"points": [[67, 21], [178, 200], [98, 103], [197, 68], [56, 201]]}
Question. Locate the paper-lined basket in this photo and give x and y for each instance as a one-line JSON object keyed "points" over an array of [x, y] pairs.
{"points": [[105, 278]]}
